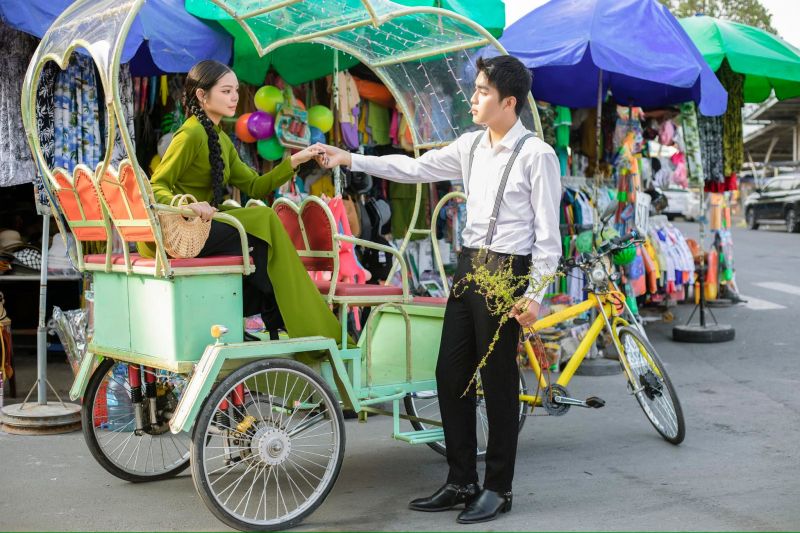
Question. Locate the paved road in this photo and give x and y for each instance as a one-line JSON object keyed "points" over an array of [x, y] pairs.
{"points": [[589, 470]]}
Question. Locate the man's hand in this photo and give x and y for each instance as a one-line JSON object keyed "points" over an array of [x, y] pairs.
{"points": [[307, 154], [525, 311], [332, 156]]}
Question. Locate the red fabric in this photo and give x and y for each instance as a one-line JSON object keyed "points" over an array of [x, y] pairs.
{"points": [[76, 193], [429, 300], [358, 289], [121, 193], [137, 260], [376, 92]]}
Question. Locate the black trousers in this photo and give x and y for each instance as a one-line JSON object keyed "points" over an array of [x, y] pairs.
{"points": [[467, 332], [258, 295]]}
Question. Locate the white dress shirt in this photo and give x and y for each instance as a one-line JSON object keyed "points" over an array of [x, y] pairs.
{"points": [[528, 219]]}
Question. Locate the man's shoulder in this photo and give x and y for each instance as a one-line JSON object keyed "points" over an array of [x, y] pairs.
{"points": [[536, 145]]}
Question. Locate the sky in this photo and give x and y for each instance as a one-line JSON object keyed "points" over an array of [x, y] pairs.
{"points": [[785, 15]]}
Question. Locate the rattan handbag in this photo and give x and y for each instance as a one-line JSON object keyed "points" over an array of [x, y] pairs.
{"points": [[183, 237]]}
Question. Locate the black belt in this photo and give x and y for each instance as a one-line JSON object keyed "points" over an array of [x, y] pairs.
{"points": [[473, 252]]}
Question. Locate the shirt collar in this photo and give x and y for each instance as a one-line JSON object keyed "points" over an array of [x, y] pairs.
{"points": [[509, 140]]}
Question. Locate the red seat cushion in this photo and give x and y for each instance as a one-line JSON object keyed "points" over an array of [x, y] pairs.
{"points": [[359, 289], [138, 260], [429, 300]]}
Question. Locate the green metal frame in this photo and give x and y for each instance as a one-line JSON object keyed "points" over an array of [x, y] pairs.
{"points": [[395, 357]]}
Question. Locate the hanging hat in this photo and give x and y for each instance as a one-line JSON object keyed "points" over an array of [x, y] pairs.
{"points": [[10, 238], [27, 257], [384, 211]]}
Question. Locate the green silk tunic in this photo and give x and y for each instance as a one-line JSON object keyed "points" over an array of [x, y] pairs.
{"points": [[185, 169]]}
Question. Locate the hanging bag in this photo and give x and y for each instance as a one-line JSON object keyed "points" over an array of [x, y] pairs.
{"points": [[183, 237]]}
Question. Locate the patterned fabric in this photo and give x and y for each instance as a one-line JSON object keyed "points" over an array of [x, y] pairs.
{"points": [[77, 115], [732, 134], [547, 116], [691, 139], [45, 117], [126, 98], [16, 163], [711, 147]]}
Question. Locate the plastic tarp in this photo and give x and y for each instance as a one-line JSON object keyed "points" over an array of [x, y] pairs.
{"points": [[767, 61], [425, 56], [646, 57], [302, 62], [175, 40]]}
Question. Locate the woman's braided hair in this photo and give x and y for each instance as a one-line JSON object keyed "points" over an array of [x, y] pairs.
{"points": [[204, 75]]}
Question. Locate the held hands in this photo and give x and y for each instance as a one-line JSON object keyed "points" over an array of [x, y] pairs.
{"points": [[525, 311], [331, 156], [203, 210], [314, 151]]}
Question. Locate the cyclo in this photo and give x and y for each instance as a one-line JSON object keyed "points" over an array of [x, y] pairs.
{"points": [[168, 381]]}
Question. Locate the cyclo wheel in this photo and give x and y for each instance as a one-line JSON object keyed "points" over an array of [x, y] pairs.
{"points": [[425, 404], [653, 388], [268, 445], [109, 424]]}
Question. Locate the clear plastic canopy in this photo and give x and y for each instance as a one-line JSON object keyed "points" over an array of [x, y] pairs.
{"points": [[425, 56]]}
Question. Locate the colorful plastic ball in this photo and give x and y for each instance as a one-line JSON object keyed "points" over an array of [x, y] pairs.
{"points": [[242, 132], [267, 98], [317, 136], [321, 118], [261, 125], [270, 149]]}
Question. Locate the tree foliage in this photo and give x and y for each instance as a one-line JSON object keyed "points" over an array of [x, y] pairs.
{"points": [[750, 12]]}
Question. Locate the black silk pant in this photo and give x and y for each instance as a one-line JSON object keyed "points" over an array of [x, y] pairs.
{"points": [[467, 332], [257, 294]]}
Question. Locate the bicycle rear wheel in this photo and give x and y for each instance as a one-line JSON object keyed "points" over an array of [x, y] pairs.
{"points": [[652, 386], [425, 404]]}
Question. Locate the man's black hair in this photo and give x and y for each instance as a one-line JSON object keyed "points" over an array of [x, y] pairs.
{"points": [[509, 76]]}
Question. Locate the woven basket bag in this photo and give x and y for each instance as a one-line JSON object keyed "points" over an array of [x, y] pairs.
{"points": [[183, 237]]}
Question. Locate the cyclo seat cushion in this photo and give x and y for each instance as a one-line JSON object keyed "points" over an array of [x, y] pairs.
{"points": [[194, 262]]}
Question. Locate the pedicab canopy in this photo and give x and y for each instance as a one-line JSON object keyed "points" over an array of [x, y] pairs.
{"points": [[424, 55]]}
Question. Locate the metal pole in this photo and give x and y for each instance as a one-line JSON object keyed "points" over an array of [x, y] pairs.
{"points": [[41, 331], [598, 125], [337, 172]]}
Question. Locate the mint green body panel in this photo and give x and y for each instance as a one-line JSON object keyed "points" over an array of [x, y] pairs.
{"points": [[386, 337], [167, 319]]}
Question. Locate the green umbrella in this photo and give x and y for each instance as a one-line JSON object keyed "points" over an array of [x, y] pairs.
{"points": [[301, 62], [767, 61]]}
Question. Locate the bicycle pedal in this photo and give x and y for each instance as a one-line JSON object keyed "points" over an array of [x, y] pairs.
{"points": [[595, 402]]}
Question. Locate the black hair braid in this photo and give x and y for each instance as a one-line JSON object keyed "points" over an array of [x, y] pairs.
{"points": [[214, 155]]}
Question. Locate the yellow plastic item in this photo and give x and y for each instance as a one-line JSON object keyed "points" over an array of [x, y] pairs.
{"points": [[164, 89]]}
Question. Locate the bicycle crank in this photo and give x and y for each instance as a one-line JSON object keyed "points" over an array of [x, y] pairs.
{"points": [[557, 402]]}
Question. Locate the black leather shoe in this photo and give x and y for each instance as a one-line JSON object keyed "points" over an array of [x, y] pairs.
{"points": [[485, 507], [446, 498]]}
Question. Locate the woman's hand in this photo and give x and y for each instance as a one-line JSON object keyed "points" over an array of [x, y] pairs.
{"points": [[203, 210], [332, 156], [307, 154]]}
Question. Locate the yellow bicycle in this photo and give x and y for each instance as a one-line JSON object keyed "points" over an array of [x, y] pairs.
{"points": [[647, 378]]}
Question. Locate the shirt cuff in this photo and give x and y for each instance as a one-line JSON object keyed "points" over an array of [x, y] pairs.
{"points": [[357, 162]]}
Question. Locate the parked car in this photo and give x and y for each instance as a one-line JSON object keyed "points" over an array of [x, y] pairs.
{"points": [[778, 202], [682, 202]]}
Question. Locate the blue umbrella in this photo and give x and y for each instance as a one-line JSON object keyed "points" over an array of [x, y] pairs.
{"points": [[174, 39], [645, 56]]}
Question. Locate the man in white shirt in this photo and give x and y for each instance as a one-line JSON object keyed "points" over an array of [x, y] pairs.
{"points": [[525, 229]]}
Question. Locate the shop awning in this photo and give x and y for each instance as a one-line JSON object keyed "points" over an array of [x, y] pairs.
{"points": [[767, 62], [645, 56], [173, 39]]}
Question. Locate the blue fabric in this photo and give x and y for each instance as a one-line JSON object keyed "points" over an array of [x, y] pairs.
{"points": [[646, 57], [175, 39]]}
